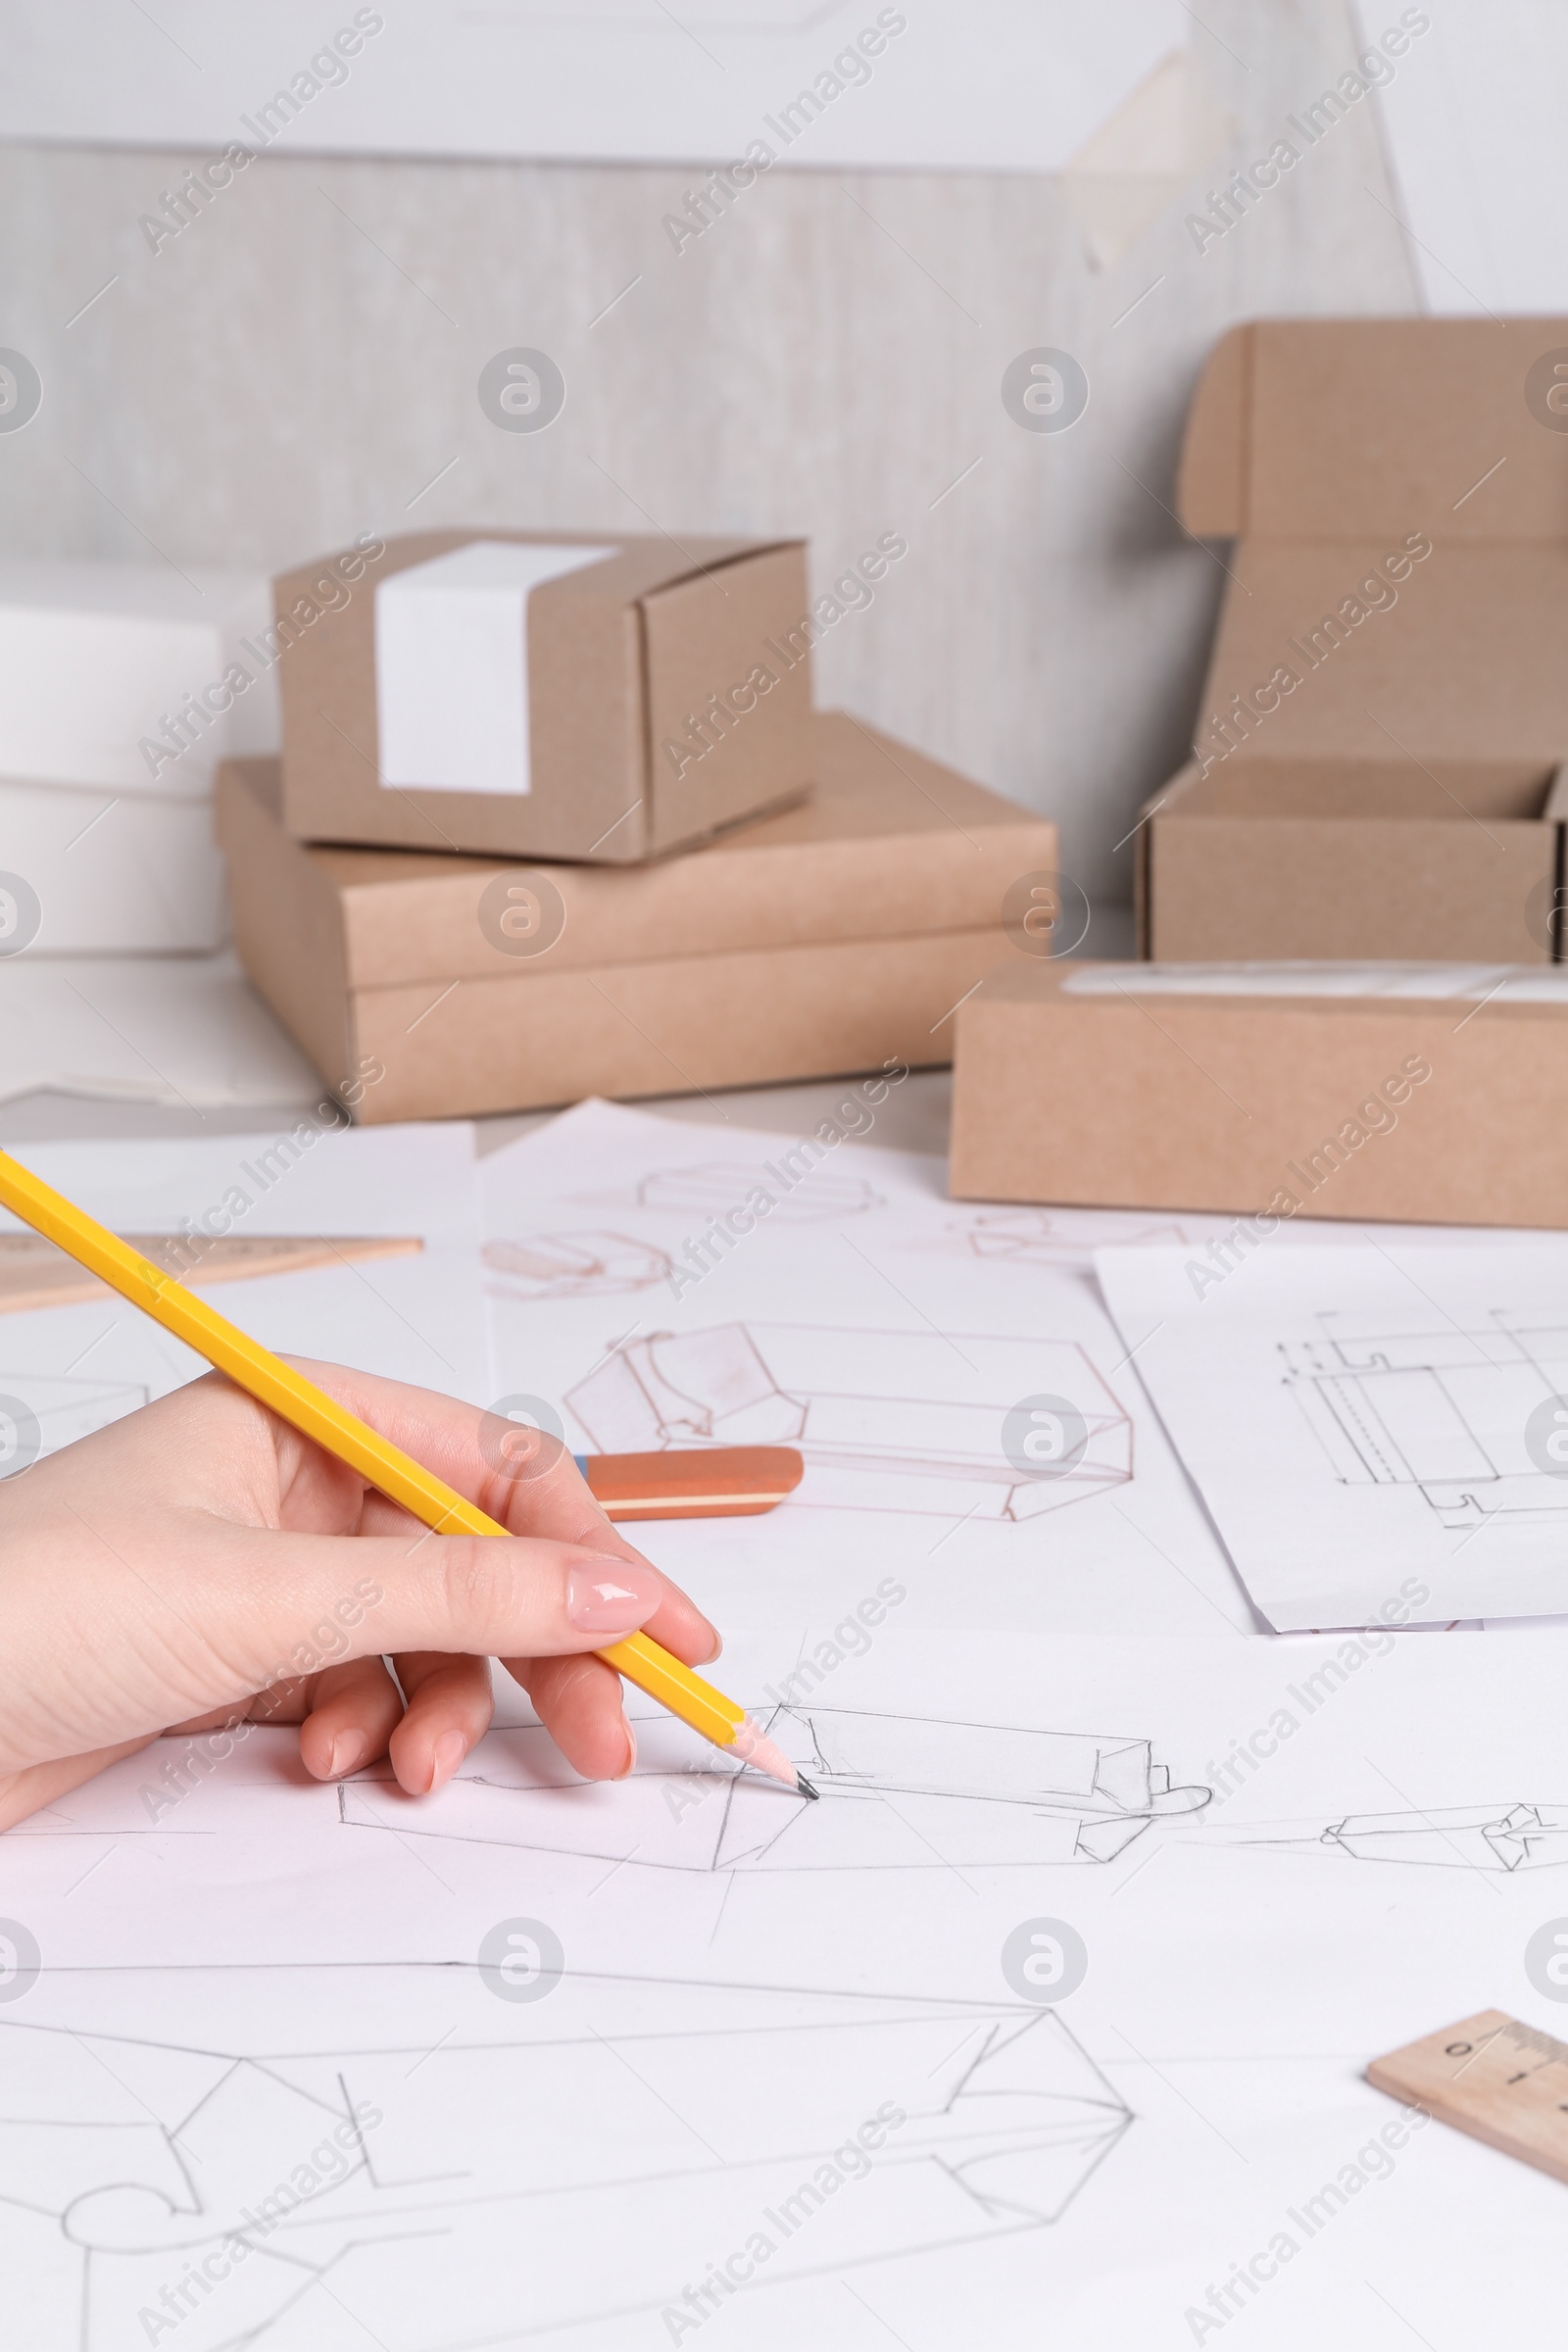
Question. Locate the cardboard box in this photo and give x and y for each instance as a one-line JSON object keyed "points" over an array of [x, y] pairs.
{"points": [[131, 676], [543, 694], [1427, 1094], [1351, 857], [834, 936], [1386, 704]]}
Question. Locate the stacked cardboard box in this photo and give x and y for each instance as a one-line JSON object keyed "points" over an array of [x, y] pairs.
{"points": [[735, 888], [1376, 789]]}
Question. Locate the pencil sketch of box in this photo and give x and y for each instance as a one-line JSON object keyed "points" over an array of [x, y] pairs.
{"points": [[38, 1415], [886, 1420], [571, 1266], [1505, 1838], [1424, 1403], [1038, 1236], [800, 1196], [898, 1792], [137, 2157]]}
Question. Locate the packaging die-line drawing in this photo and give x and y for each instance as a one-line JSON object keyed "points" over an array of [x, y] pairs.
{"points": [[1435, 1408]]}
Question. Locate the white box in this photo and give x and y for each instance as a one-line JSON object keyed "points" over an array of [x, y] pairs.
{"points": [[106, 873], [102, 664]]}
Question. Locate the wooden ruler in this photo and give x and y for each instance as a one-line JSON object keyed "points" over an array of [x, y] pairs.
{"points": [[1490, 2076], [34, 1273]]}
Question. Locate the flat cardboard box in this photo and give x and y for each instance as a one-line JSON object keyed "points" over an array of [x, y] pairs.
{"points": [[828, 939], [1386, 706], [1291, 1090], [635, 704]]}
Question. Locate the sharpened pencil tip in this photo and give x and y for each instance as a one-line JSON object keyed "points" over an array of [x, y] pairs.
{"points": [[805, 1785]]}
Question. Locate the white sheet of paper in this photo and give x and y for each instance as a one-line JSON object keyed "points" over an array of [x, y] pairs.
{"points": [[184, 1030], [417, 1318], [1366, 1423], [887, 1330], [452, 663], [1278, 1859]]}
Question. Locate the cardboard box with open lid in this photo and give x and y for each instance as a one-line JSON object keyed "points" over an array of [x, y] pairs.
{"points": [[1375, 768], [543, 694]]}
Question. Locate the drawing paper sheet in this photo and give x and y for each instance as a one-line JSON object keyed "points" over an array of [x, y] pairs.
{"points": [[186, 1031], [886, 1330], [417, 1318], [1366, 1421], [1278, 1858]]}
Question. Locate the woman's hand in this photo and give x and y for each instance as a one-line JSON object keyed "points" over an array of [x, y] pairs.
{"points": [[200, 1564]]}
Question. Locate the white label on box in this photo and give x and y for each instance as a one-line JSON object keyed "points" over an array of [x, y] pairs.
{"points": [[1462, 983], [452, 666]]}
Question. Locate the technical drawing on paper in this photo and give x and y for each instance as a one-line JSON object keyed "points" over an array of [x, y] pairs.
{"points": [[571, 1266], [886, 1420], [338, 2155], [898, 1792], [1040, 1237], [1430, 1405], [800, 1196], [64, 1410], [1504, 1838]]}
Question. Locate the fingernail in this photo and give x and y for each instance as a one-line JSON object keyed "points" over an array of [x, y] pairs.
{"points": [[631, 1749], [449, 1750], [710, 1653], [349, 1750], [611, 1596]]}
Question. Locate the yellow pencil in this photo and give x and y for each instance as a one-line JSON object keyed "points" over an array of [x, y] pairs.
{"points": [[396, 1474]]}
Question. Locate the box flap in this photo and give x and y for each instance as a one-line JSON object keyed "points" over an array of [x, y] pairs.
{"points": [[728, 702], [1211, 480], [1361, 647], [1353, 428]]}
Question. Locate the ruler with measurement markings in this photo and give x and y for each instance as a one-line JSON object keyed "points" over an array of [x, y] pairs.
{"points": [[33, 1273], [1490, 2076]]}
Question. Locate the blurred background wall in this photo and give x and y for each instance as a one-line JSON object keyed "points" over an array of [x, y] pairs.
{"points": [[300, 364]]}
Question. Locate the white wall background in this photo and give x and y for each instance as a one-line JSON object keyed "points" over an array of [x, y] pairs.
{"points": [[300, 363]]}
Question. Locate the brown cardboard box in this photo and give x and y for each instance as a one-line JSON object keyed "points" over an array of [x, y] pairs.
{"points": [[1129, 1086], [831, 938], [636, 704], [1386, 703], [1353, 858]]}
